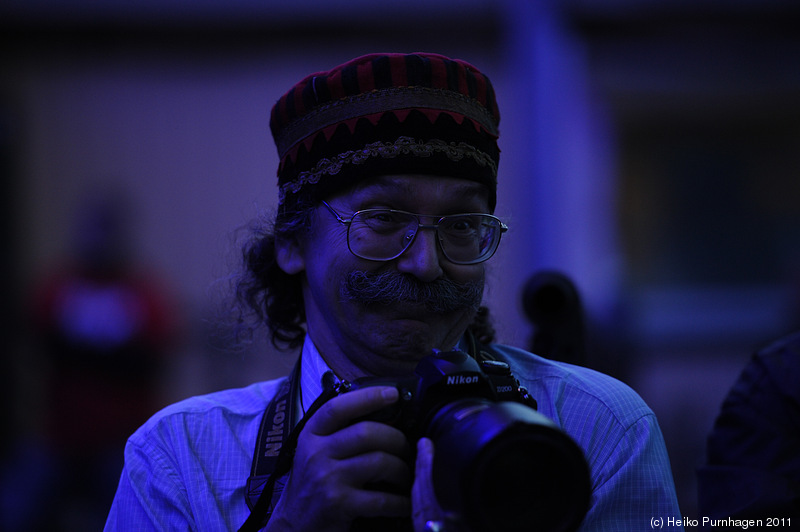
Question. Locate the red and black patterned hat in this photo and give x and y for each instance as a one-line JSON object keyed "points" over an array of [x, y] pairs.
{"points": [[386, 114]]}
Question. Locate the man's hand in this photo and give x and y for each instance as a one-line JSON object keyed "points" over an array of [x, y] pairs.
{"points": [[336, 463]]}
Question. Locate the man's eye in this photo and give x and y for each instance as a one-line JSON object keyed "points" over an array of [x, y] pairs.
{"points": [[462, 225], [383, 217], [384, 220]]}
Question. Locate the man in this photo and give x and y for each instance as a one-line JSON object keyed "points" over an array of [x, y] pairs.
{"points": [[376, 258]]}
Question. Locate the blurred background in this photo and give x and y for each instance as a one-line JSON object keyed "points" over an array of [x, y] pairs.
{"points": [[651, 151]]}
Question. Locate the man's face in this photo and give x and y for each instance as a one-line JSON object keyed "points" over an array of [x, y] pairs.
{"points": [[357, 336]]}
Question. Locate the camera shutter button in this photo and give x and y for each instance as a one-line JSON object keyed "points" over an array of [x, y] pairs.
{"points": [[495, 367]]}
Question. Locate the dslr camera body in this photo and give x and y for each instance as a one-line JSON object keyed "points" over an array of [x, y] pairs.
{"points": [[499, 463]]}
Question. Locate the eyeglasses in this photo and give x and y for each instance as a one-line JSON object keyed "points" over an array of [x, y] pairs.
{"points": [[385, 234]]}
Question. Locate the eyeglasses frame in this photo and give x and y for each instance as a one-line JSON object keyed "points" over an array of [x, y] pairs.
{"points": [[420, 225]]}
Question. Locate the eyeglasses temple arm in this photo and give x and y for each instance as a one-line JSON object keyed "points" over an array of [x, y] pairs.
{"points": [[336, 214]]}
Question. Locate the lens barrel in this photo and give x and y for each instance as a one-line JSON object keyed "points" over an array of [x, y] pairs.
{"points": [[506, 467]]}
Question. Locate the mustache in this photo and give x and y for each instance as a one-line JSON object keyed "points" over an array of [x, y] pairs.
{"points": [[388, 288]]}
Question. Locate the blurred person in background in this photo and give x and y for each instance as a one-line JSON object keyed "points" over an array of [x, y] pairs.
{"points": [[752, 468], [375, 260], [103, 326]]}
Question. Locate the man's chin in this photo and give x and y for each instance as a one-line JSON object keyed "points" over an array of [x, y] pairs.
{"points": [[395, 368], [397, 358], [399, 342]]}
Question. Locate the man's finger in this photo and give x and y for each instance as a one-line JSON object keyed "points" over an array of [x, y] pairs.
{"points": [[340, 411], [367, 436], [379, 469], [423, 497]]}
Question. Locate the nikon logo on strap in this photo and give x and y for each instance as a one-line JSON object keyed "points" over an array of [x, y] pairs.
{"points": [[275, 436]]}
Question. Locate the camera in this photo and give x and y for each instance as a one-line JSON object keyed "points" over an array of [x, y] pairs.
{"points": [[499, 463]]}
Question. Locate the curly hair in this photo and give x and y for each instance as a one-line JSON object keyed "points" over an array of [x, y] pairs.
{"points": [[274, 298]]}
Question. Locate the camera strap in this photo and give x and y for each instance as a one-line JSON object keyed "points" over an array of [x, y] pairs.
{"points": [[477, 350], [275, 447]]}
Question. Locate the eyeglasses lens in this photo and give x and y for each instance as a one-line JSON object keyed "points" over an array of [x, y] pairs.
{"points": [[382, 234]]}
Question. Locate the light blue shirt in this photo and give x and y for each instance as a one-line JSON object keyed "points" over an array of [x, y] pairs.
{"points": [[186, 468]]}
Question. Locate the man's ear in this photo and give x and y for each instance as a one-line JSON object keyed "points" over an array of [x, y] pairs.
{"points": [[289, 256]]}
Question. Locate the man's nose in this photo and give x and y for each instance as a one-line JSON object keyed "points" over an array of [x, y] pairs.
{"points": [[423, 258]]}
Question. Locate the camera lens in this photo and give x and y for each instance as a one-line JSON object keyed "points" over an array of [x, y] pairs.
{"points": [[504, 466]]}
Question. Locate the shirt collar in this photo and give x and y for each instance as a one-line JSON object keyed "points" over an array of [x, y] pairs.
{"points": [[312, 368]]}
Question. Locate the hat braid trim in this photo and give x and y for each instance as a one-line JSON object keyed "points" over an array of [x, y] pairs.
{"points": [[387, 150]]}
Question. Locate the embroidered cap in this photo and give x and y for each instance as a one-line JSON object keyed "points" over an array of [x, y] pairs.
{"points": [[386, 114]]}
